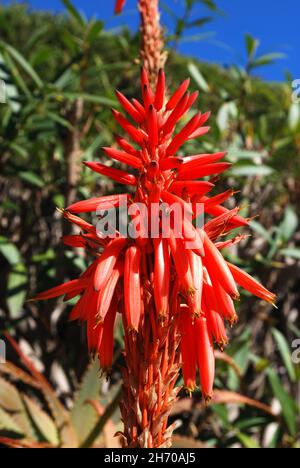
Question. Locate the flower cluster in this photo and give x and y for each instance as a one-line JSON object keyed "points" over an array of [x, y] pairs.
{"points": [[195, 286]]}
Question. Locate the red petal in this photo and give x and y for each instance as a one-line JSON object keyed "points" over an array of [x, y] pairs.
{"points": [[168, 164], [218, 268], [188, 349], [69, 287], [115, 174], [206, 357], [101, 203], [108, 291], [178, 95], [160, 90], [161, 276], [202, 171], [152, 127], [106, 349], [127, 147], [177, 113], [107, 262], [129, 108], [133, 132], [200, 188], [250, 284], [123, 157], [183, 135], [132, 288]]}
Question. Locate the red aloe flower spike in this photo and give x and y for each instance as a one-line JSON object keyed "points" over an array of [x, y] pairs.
{"points": [[202, 171], [101, 203], [108, 290], [206, 357], [115, 174], [123, 157], [132, 287], [250, 284], [188, 348], [160, 90], [127, 147], [119, 6], [178, 95], [106, 348], [183, 135], [135, 134], [161, 278], [218, 268], [107, 262], [129, 108]]}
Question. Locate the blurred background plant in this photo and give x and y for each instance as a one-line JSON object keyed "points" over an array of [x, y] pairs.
{"points": [[60, 74]]}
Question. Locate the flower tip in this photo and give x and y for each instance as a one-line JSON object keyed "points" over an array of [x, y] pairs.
{"points": [[207, 399]]}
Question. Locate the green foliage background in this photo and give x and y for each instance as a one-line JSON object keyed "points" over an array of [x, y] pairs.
{"points": [[60, 74]]}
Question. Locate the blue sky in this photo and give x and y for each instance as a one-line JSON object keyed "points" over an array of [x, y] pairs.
{"points": [[275, 23]]}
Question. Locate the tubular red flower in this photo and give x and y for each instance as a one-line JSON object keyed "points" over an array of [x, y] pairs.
{"points": [[205, 356], [191, 187], [129, 108], [188, 348], [152, 127], [101, 203], [218, 268], [161, 279], [69, 287], [107, 262], [127, 147], [108, 290], [135, 134], [115, 174], [160, 90], [183, 135], [185, 173], [177, 279], [177, 113], [106, 348], [172, 103], [250, 284], [132, 287], [123, 157]]}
